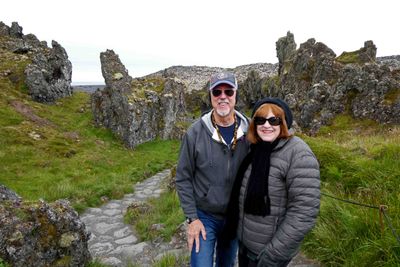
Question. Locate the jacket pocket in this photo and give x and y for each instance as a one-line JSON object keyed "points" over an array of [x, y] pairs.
{"points": [[216, 199]]}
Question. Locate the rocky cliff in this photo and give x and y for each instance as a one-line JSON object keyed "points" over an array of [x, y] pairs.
{"points": [[251, 79], [318, 85], [196, 77], [138, 110], [48, 72]]}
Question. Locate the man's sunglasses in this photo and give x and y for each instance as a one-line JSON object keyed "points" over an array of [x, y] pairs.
{"points": [[274, 121], [218, 92]]}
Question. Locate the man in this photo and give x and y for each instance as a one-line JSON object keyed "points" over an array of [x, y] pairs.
{"points": [[211, 152]]}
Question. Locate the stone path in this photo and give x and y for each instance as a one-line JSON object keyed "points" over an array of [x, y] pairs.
{"points": [[114, 243]]}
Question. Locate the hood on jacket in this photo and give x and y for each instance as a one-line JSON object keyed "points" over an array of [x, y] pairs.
{"points": [[242, 129]]}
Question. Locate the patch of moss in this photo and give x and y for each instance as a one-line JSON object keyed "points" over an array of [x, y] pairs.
{"points": [[22, 214], [270, 84], [391, 96], [47, 231], [182, 124], [276, 79], [3, 263], [12, 67], [64, 261], [287, 66], [195, 100], [349, 57], [350, 97], [307, 74], [139, 86]]}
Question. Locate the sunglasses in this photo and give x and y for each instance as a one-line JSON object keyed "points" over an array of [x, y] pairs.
{"points": [[218, 92], [274, 121]]}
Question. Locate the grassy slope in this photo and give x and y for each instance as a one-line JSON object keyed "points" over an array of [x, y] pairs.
{"points": [[71, 158], [360, 161]]}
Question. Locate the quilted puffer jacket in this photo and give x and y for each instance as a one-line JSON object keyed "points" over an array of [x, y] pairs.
{"points": [[294, 191]]}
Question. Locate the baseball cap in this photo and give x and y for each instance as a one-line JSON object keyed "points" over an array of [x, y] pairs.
{"points": [[223, 78]]}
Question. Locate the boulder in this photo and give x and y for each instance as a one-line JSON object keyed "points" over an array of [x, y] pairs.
{"points": [[41, 234], [48, 76]]}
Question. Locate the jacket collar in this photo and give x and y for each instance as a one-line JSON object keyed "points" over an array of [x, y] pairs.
{"points": [[242, 130]]}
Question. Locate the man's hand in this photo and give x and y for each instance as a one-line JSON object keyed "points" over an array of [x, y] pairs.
{"points": [[193, 234]]}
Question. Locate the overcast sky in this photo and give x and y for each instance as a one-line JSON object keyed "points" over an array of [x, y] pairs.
{"points": [[150, 35]]}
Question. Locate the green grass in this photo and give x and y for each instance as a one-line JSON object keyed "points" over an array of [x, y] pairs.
{"points": [[360, 161], [72, 159], [172, 260], [165, 209]]}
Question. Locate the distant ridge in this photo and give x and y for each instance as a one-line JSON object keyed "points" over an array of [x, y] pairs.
{"points": [[88, 88]]}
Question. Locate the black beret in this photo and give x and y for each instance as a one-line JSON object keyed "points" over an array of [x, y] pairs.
{"points": [[279, 102]]}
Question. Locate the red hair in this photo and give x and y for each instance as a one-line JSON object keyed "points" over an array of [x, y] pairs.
{"points": [[263, 111]]}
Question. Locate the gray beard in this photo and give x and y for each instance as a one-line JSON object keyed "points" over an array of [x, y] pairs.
{"points": [[223, 113]]}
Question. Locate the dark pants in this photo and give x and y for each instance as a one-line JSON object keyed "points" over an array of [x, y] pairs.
{"points": [[244, 259], [248, 259]]}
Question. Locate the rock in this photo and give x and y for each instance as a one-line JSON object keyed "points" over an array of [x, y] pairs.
{"points": [[251, 90], [16, 30], [41, 234], [9, 195], [318, 85], [48, 77], [4, 29], [138, 110], [285, 49], [196, 77]]}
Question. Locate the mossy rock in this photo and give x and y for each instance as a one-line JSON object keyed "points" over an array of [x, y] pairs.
{"points": [[391, 96], [196, 101], [139, 86], [349, 57]]}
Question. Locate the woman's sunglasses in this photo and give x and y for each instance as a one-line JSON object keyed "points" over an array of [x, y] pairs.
{"points": [[218, 92], [274, 121]]}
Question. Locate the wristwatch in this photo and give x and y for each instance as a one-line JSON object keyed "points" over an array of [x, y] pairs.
{"points": [[190, 220]]}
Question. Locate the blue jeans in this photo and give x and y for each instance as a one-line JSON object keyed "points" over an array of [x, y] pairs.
{"points": [[225, 256]]}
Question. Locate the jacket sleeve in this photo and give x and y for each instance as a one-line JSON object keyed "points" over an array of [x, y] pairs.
{"points": [[303, 189], [184, 176]]}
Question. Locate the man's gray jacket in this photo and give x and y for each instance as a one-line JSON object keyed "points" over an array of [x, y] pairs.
{"points": [[207, 167], [294, 191]]}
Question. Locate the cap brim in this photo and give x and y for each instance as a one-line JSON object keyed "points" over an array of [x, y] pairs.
{"points": [[223, 82]]}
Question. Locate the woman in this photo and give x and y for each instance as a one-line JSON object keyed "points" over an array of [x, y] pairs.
{"points": [[277, 189]]}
